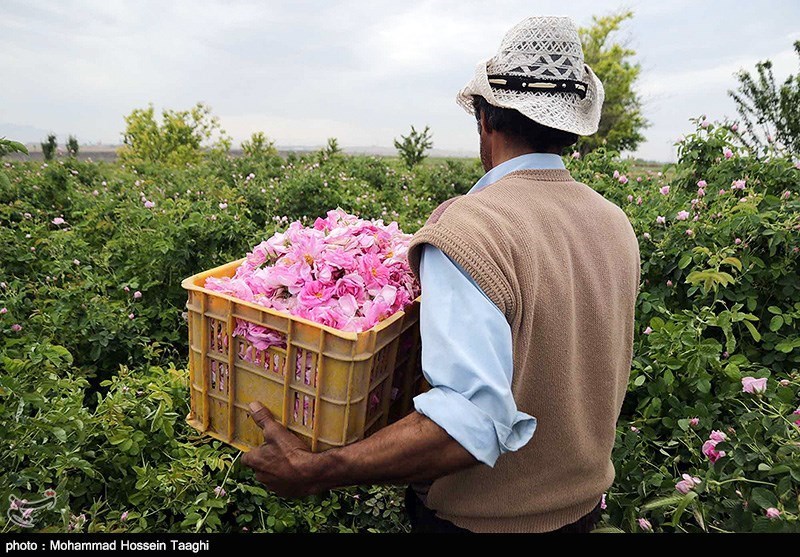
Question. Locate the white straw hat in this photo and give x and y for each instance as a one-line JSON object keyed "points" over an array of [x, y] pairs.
{"points": [[539, 71]]}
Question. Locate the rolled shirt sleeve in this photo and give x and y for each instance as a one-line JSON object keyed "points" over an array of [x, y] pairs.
{"points": [[467, 358]]}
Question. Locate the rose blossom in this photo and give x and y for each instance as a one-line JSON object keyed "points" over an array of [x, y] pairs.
{"points": [[664, 190], [694, 422], [660, 220], [682, 215], [645, 525], [727, 153], [754, 386], [687, 483], [772, 513]]}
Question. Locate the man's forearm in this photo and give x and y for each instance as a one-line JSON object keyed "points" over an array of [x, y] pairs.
{"points": [[414, 449]]}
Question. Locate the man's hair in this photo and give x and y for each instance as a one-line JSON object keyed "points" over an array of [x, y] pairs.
{"points": [[512, 122]]}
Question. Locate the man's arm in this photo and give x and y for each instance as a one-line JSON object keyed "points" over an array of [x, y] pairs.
{"points": [[413, 449]]}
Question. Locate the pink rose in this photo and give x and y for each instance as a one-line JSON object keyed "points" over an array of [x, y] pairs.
{"points": [[647, 331], [717, 436], [694, 422], [754, 386], [645, 525], [727, 153], [702, 183], [660, 220], [709, 449], [664, 190], [682, 215], [687, 483], [772, 513]]}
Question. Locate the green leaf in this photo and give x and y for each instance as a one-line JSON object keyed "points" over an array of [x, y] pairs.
{"points": [[764, 498], [775, 323], [60, 434], [755, 334], [608, 530], [688, 498], [774, 309], [684, 261], [639, 381], [662, 502], [733, 262]]}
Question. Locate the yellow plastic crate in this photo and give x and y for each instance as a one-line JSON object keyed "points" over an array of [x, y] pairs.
{"points": [[353, 384]]}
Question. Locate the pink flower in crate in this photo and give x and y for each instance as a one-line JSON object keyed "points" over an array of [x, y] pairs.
{"points": [[58, 220], [702, 184], [616, 174], [137, 295], [647, 331], [754, 386], [682, 215], [219, 491], [315, 293], [603, 505], [623, 179], [576, 155], [694, 422], [3, 311], [149, 204], [16, 327], [660, 220], [738, 184], [727, 153], [644, 524], [664, 190], [124, 516]]}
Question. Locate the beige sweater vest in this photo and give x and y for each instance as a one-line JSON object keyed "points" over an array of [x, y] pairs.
{"points": [[562, 263]]}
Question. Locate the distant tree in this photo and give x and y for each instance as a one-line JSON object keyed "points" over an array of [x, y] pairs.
{"points": [[770, 112], [72, 146], [413, 147], [621, 119], [177, 140], [259, 146], [49, 147], [332, 147]]}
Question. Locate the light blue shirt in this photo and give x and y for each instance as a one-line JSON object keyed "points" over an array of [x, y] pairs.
{"points": [[467, 354]]}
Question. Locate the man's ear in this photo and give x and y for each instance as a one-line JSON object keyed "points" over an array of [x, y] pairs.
{"points": [[484, 125]]}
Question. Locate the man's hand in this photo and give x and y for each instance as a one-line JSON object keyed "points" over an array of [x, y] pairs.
{"points": [[413, 449], [282, 463]]}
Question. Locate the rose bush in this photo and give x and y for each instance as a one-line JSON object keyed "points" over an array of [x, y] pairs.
{"points": [[93, 339]]}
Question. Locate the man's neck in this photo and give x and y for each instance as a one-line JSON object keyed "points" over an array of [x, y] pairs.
{"points": [[507, 151]]}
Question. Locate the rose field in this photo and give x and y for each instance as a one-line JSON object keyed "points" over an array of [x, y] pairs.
{"points": [[93, 338]]}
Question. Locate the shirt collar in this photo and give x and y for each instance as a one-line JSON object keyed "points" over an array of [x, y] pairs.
{"points": [[530, 161]]}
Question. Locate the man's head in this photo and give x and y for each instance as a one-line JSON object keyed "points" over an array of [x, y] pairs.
{"points": [[535, 94], [506, 128]]}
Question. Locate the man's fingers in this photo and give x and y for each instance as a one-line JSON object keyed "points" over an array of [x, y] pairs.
{"points": [[260, 414]]}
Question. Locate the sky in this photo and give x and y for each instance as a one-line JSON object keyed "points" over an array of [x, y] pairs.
{"points": [[363, 72]]}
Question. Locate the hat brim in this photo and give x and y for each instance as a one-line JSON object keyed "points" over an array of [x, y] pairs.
{"points": [[562, 111]]}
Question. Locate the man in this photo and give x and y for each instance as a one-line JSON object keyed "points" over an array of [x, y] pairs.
{"points": [[529, 284]]}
